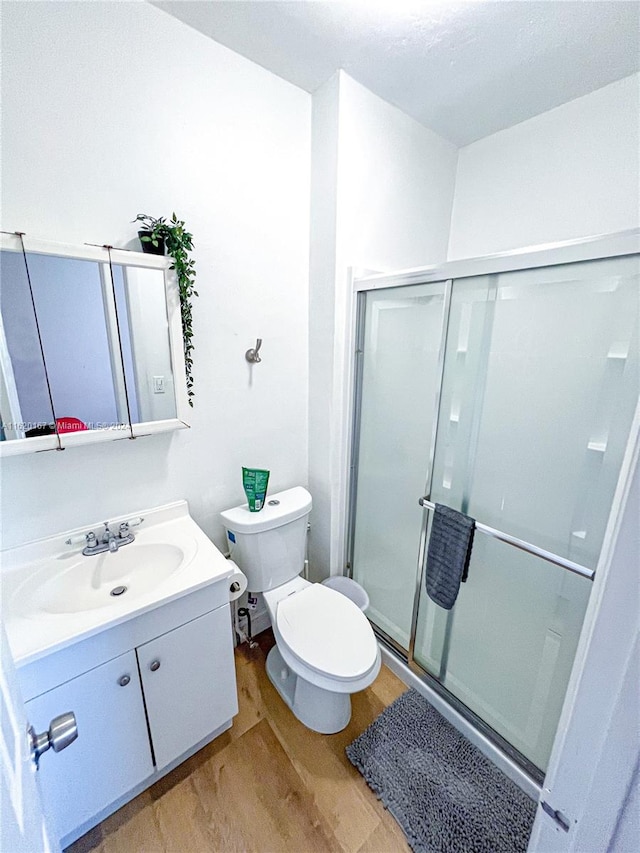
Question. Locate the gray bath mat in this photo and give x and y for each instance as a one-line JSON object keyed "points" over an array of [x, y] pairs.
{"points": [[445, 794]]}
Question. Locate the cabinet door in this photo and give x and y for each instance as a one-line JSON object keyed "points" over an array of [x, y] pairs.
{"points": [[112, 753], [189, 683]]}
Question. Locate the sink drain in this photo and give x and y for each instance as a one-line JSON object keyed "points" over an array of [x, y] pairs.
{"points": [[118, 590]]}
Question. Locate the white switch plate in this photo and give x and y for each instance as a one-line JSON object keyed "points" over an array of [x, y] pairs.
{"points": [[158, 384]]}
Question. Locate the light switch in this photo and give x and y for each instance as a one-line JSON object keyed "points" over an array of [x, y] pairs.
{"points": [[158, 384]]}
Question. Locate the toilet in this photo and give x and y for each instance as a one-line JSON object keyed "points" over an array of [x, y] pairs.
{"points": [[325, 647]]}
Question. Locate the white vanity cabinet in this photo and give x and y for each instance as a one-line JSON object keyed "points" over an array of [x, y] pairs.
{"points": [[111, 754], [146, 694], [189, 683]]}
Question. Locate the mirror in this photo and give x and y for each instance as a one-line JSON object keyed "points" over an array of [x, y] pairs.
{"points": [[144, 335], [25, 401], [90, 346], [79, 342]]}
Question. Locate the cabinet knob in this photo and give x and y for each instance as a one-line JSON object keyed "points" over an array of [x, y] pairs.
{"points": [[154, 665], [124, 680]]}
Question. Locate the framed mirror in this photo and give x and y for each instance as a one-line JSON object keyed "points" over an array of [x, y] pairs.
{"points": [[105, 344]]}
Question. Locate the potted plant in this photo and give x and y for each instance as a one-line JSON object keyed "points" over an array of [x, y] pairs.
{"points": [[157, 236], [152, 235]]}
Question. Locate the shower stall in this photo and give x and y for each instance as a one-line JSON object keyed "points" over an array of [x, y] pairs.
{"points": [[504, 387]]}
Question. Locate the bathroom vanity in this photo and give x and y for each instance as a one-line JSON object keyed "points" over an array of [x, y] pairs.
{"points": [[148, 673]]}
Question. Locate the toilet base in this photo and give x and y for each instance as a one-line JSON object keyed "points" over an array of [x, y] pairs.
{"points": [[318, 709]]}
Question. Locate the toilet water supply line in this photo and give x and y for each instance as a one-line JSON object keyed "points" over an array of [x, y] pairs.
{"points": [[242, 636], [237, 612], [246, 636], [305, 568]]}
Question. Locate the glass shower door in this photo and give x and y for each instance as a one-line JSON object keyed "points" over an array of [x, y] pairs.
{"points": [[511, 396], [401, 352], [539, 391]]}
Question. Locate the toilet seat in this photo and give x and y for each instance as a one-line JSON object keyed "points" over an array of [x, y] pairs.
{"points": [[327, 633]]}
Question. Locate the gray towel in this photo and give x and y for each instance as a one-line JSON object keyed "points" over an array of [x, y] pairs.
{"points": [[448, 555]]}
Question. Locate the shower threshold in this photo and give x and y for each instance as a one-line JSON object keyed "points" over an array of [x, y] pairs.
{"points": [[508, 759]]}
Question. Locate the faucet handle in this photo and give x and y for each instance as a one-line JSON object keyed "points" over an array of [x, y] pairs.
{"points": [[80, 539], [90, 539], [123, 530]]}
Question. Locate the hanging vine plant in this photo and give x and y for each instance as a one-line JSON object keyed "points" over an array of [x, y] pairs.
{"points": [[156, 236]]}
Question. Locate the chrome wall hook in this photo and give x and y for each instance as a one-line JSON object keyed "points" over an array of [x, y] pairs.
{"points": [[253, 355]]}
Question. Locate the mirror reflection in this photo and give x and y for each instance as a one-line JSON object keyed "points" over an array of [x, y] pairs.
{"points": [[80, 342], [144, 336], [25, 400]]}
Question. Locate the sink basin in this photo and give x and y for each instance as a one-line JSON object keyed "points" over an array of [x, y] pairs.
{"points": [[53, 596], [104, 580]]}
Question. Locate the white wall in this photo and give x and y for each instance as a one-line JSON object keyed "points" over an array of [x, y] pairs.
{"points": [[382, 201], [322, 298], [111, 109], [395, 185], [568, 173]]}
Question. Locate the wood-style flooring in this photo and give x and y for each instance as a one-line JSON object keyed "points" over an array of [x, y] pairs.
{"points": [[268, 785]]}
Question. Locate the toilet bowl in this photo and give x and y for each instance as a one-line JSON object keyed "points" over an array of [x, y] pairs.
{"points": [[325, 647], [325, 651]]}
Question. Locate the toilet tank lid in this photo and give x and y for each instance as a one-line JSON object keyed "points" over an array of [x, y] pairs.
{"points": [[291, 505]]}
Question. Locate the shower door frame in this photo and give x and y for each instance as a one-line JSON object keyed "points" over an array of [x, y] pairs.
{"points": [[620, 244]]}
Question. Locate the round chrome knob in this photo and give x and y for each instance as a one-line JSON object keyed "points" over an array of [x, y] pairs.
{"points": [[154, 665], [63, 730], [124, 680]]}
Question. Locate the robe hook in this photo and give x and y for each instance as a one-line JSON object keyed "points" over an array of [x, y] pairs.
{"points": [[253, 355]]}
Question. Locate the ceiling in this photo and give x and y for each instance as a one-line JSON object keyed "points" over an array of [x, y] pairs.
{"points": [[463, 69]]}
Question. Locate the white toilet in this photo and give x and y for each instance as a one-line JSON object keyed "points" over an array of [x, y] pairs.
{"points": [[325, 647]]}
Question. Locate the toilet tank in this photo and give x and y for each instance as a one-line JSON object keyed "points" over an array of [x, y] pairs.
{"points": [[269, 546]]}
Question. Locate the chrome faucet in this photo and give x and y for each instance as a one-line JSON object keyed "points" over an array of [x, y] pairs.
{"points": [[108, 540]]}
